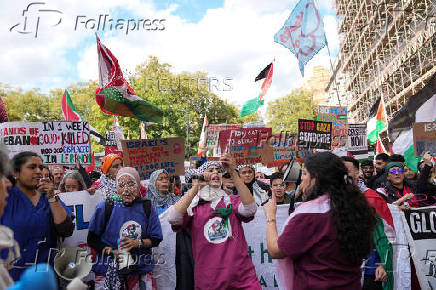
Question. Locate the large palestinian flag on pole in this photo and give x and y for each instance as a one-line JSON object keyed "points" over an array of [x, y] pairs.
{"points": [[115, 96], [377, 120], [421, 107], [252, 105]]}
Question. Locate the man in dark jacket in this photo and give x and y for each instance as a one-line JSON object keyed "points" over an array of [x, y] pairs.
{"points": [[381, 160]]}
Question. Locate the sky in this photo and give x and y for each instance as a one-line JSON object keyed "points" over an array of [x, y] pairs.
{"points": [[53, 44]]}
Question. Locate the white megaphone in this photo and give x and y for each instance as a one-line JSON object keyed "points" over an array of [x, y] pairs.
{"points": [[70, 263]]}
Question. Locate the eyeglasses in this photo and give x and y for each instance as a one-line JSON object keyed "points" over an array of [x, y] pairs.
{"points": [[393, 171], [127, 184]]}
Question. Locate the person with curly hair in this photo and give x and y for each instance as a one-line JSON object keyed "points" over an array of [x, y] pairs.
{"points": [[325, 240]]}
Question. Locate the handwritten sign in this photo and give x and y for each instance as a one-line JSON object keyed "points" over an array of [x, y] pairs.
{"points": [[213, 132], [314, 134], [248, 145], [424, 138], [285, 149], [338, 117], [357, 140], [148, 155], [57, 142]]}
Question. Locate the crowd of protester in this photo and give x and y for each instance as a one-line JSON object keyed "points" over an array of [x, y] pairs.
{"points": [[331, 230]]}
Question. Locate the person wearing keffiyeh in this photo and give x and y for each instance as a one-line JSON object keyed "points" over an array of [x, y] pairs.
{"points": [[257, 188], [219, 247], [159, 191], [111, 163]]}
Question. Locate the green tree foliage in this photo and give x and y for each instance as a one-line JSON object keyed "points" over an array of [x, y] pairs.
{"points": [[177, 95], [283, 113]]}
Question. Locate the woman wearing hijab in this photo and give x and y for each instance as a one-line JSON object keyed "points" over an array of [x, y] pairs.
{"points": [[128, 228], [111, 163], [257, 188], [159, 191], [215, 220]]}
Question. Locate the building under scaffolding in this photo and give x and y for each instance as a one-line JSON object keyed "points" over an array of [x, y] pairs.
{"points": [[387, 49]]}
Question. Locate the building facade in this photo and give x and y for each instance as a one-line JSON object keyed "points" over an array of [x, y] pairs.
{"points": [[387, 49]]}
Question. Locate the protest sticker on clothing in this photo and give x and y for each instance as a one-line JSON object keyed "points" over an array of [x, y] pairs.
{"points": [[338, 117], [420, 225], [424, 138], [248, 145], [82, 204], [62, 142], [314, 134], [165, 271], [148, 155], [357, 141], [285, 149]]}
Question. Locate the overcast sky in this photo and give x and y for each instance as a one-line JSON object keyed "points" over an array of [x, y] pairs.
{"points": [[228, 39]]}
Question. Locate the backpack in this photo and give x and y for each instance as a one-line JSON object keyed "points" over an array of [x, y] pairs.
{"points": [[109, 206]]}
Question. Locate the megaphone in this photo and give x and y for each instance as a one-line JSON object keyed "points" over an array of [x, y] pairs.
{"points": [[70, 263], [293, 172]]}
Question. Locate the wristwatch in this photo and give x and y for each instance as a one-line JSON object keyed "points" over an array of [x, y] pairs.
{"points": [[54, 199], [141, 243]]}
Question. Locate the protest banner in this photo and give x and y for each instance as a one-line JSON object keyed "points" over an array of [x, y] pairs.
{"points": [[255, 234], [248, 145], [285, 149], [148, 155], [62, 143], [314, 134], [82, 204], [212, 136], [111, 144], [420, 225], [338, 117], [357, 141], [424, 138]]}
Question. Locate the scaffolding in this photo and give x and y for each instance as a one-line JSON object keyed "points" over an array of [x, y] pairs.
{"points": [[387, 49]]}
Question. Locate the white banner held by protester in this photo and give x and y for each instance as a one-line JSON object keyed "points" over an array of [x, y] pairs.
{"points": [[255, 234], [63, 142], [82, 204], [420, 225]]}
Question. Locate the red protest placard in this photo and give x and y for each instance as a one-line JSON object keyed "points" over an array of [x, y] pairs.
{"points": [[248, 145]]}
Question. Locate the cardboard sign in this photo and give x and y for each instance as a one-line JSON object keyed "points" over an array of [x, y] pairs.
{"points": [[314, 134], [338, 117], [62, 143], [424, 138], [357, 140], [148, 155], [248, 145], [285, 149], [213, 132]]}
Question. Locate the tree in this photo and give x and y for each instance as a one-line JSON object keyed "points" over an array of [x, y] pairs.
{"points": [[179, 96], [283, 113]]}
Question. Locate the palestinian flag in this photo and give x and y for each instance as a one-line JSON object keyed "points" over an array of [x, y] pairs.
{"points": [[421, 107], [377, 120], [252, 105], [384, 234], [68, 108], [71, 114], [115, 96]]}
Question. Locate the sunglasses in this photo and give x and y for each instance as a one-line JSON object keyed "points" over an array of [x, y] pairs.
{"points": [[393, 171]]}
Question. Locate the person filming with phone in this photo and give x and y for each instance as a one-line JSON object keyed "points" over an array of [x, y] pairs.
{"points": [[220, 250]]}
